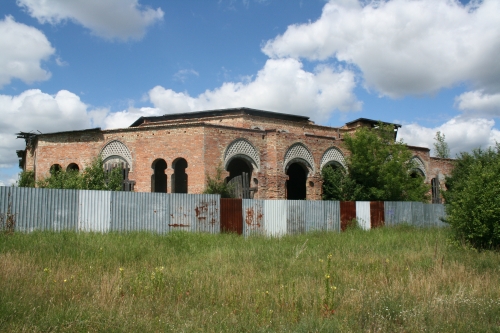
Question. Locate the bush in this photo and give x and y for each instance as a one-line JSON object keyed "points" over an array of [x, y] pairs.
{"points": [[93, 177], [217, 185], [473, 198], [26, 179]]}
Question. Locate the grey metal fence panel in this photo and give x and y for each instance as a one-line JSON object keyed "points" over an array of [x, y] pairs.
{"points": [[29, 206], [398, 212], [5, 198], [332, 215], [315, 216], [132, 211], [296, 217], [94, 211], [389, 213], [439, 213], [363, 214], [61, 212], [275, 217], [417, 211], [428, 216], [195, 212], [253, 217]]}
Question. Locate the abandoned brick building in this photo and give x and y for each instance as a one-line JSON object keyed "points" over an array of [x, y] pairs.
{"points": [[281, 154]]}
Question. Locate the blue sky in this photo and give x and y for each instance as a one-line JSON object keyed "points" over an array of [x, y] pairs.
{"points": [[431, 65]]}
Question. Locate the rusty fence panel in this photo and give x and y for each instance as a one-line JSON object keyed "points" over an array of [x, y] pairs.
{"points": [[295, 217], [253, 217], [376, 214], [363, 214], [347, 213], [275, 217], [332, 215], [195, 212], [231, 218], [132, 211]]}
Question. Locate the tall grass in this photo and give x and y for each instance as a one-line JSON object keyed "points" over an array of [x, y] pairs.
{"points": [[399, 279]]}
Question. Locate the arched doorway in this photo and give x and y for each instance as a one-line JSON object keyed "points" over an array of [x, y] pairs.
{"points": [[296, 183], [179, 178], [159, 178], [237, 167]]}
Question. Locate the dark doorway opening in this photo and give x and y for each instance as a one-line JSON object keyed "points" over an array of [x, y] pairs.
{"points": [[159, 178], [180, 178], [237, 167], [296, 183], [416, 174]]}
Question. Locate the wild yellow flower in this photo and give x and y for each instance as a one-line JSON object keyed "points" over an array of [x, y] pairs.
{"points": [[121, 269], [65, 280], [387, 260], [321, 260], [330, 256], [333, 288], [327, 276]]}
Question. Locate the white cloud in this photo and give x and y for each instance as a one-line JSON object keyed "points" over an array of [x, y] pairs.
{"points": [[23, 49], [462, 134], [127, 117], [282, 86], [35, 111], [183, 74], [122, 19], [403, 46], [479, 103]]}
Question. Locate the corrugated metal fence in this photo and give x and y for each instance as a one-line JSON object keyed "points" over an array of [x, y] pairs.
{"points": [[103, 211]]}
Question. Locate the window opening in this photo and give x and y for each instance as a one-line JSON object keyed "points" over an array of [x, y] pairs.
{"points": [[159, 178], [179, 177]]}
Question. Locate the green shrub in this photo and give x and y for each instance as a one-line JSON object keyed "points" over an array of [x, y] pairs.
{"points": [[26, 179], [473, 198], [217, 185]]}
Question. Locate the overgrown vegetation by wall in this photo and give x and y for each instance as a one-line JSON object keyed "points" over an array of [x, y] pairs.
{"points": [[93, 177], [378, 169]]}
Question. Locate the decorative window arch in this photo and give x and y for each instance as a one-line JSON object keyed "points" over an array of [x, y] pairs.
{"points": [[116, 150], [242, 148], [419, 166], [298, 151], [333, 155]]}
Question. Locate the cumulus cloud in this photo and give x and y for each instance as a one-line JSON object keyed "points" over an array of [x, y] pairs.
{"points": [[23, 49], [462, 134], [282, 85], [479, 103], [403, 46], [121, 19], [36, 111]]}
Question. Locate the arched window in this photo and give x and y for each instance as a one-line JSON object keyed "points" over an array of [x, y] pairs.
{"points": [[54, 168], [333, 156], [418, 167], [159, 178], [179, 177], [73, 167], [115, 153]]}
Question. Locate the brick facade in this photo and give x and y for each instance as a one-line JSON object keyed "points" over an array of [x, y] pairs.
{"points": [[202, 139]]}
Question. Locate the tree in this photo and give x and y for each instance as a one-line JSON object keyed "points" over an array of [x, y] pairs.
{"points": [[378, 168], [217, 185], [337, 185], [473, 198], [26, 179], [93, 177], [441, 148]]}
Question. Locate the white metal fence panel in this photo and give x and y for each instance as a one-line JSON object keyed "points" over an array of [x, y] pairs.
{"points": [[275, 217], [296, 217], [195, 212], [140, 212], [253, 217], [332, 215], [61, 211], [315, 216], [94, 211], [363, 214]]}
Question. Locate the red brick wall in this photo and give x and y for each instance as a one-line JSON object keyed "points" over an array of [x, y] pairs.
{"points": [[203, 146]]}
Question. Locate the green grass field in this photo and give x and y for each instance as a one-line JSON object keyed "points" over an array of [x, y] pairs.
{"points": [[386, 280]]}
